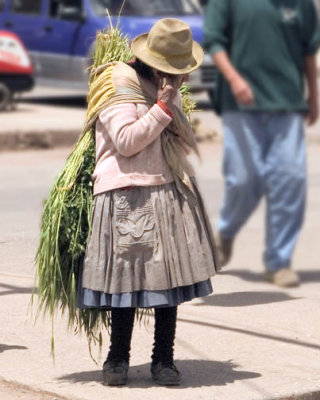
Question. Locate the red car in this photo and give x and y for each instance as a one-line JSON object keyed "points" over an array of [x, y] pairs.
{"points": [[16, 71]]}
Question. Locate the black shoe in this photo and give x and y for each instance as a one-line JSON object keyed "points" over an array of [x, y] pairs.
{"points": [[115, 373], [165, 374]]}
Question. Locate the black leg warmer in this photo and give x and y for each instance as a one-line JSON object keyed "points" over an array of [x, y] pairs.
{"points": [[164, 334], [121, 331]]}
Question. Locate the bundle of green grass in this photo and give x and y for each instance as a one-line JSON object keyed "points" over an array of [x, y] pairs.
{"points": [[65, 223]]}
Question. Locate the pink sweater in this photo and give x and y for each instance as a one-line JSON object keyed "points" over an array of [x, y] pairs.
{"points": [[128, 147]]}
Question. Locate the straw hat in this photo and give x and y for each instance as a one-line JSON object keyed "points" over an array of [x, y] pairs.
{"points": [[169, 47]]}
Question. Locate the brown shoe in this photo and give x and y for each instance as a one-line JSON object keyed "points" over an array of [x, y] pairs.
{"points": [[224, 248], [284, 277]]}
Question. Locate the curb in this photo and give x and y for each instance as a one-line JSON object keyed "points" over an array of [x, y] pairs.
{"points": [[14, 386], [46, 395], [26, 140], [48, 139], [306, 396], [30, 140]]}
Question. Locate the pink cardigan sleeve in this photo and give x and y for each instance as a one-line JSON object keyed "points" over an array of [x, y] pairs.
{"points": [[129, 133]]}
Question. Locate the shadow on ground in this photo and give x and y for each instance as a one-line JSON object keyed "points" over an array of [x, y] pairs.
{"points": [[11, 289], [196, 373], [5, 347], [243, 299], [307, 276], [253, 333]]}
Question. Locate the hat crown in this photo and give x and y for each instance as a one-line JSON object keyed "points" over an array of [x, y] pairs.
{"points": [[169, 47], [170, 37]]}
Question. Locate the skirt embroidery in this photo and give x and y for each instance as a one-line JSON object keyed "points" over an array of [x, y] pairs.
{"points": [[134, 225]]}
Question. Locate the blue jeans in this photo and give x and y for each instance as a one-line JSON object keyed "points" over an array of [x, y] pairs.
{"points": [[265, 155]]}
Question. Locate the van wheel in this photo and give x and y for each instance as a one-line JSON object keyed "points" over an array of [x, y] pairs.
{"points": [[211, 96], [5, 97]]}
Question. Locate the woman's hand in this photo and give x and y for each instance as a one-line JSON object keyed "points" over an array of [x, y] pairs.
{"points": [[168, 86]]}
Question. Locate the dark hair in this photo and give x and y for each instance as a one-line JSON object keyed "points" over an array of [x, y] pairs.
{"points": [[141, 68]]}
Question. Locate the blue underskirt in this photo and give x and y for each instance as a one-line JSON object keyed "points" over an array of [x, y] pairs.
{"points": [[143, 299]]}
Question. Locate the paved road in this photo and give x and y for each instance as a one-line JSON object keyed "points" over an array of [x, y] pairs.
{"points": [[249, 340], [25, 178]]}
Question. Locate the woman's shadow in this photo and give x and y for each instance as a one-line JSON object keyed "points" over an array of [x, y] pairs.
{"points": [[196, 373]]}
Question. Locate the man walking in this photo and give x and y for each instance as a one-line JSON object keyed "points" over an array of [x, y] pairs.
{"points": [[265, 50]]}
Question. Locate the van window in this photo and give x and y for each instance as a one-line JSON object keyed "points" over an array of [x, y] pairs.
{"points": [[57, 7], [146, 8], [26, 6], [2, 5]]}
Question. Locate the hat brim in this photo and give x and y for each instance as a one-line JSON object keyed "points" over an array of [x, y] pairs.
{"points": [[171, 65]]}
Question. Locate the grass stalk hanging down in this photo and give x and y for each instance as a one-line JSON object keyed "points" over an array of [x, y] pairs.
{"points": [[65, 222]]}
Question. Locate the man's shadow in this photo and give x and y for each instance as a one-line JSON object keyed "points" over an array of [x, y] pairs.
{"points": [[196, 373], [244, 299], [307, 276]]}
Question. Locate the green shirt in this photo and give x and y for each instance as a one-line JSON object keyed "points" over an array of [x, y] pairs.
{"points": [[267, 41]]}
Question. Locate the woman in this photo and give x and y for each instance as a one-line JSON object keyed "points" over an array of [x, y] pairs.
{"points": [[150, 244]]}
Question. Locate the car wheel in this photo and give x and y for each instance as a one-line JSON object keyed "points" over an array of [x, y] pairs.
{"points": [[211, 96], [5, 96]]}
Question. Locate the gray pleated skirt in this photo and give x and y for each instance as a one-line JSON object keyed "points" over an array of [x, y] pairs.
{"points": [[148, 247]]}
